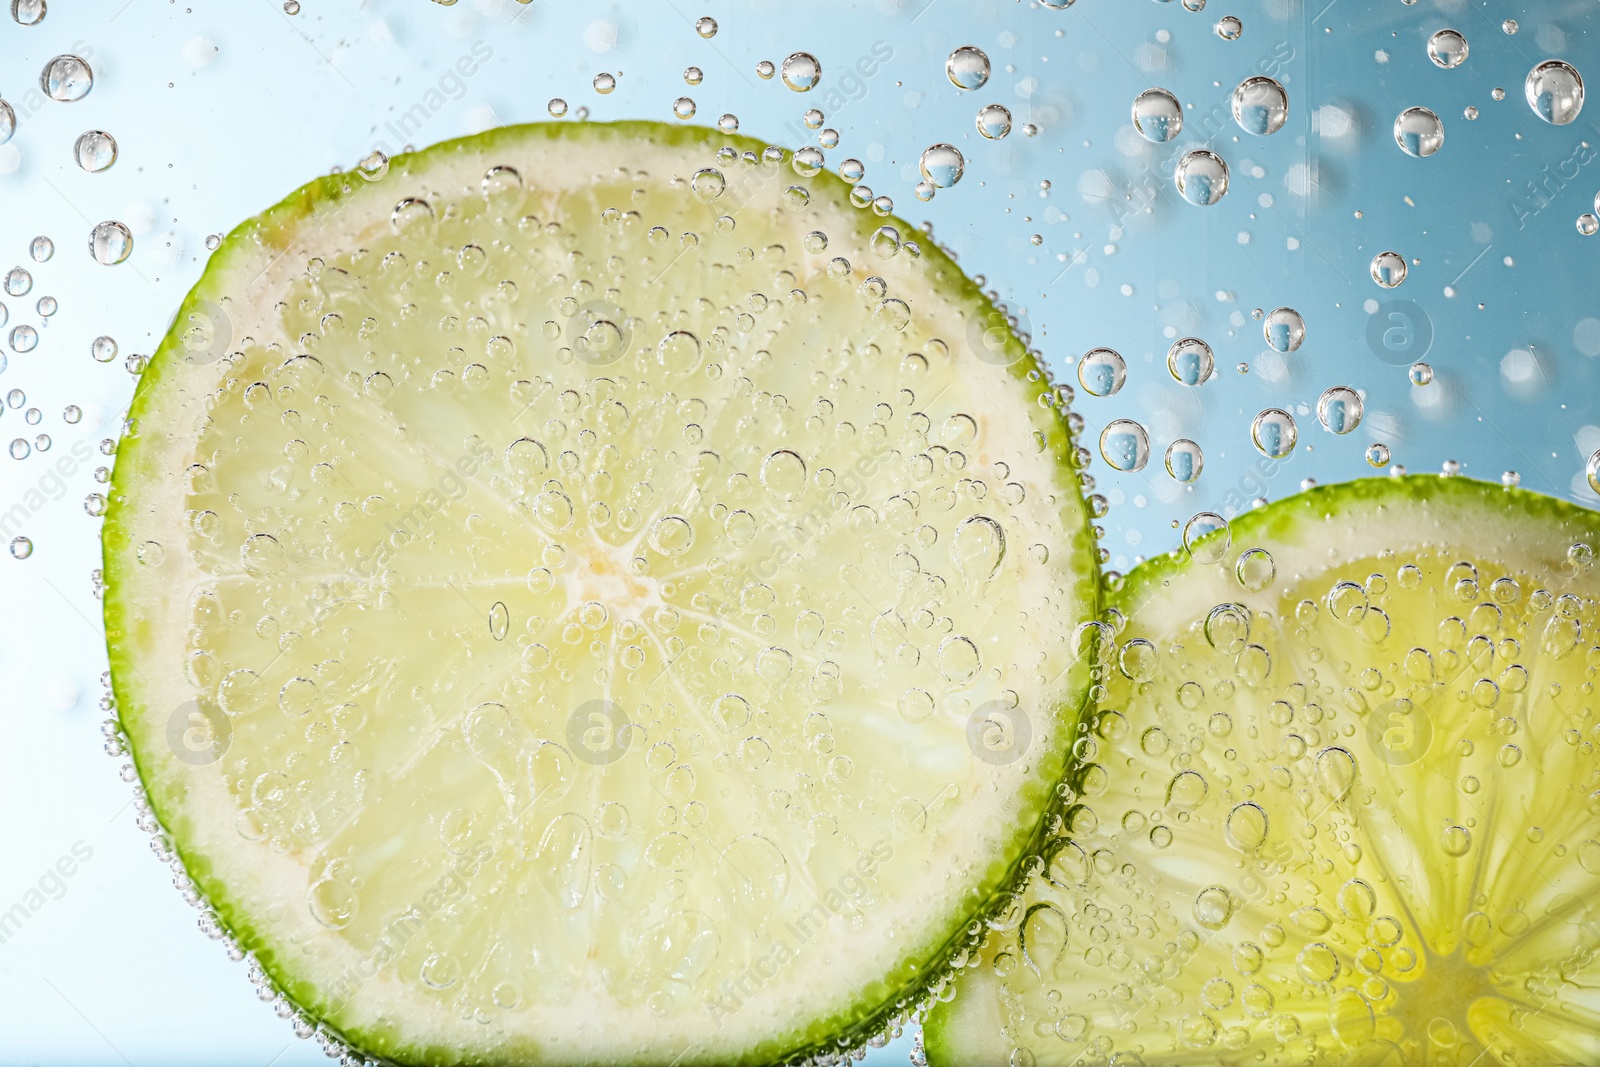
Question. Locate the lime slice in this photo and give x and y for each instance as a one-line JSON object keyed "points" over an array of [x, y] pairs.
{"points": [[590, 593], [1338, 806]]}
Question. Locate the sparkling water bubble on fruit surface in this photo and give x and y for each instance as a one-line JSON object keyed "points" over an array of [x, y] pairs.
{"points": [[1207, 537]]}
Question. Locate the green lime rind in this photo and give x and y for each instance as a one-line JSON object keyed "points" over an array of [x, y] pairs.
{"points": [[246, 252], [1312, 530]]}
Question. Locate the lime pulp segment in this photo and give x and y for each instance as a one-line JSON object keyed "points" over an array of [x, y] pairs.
{"points": [[593, 595], [1340, 803]]}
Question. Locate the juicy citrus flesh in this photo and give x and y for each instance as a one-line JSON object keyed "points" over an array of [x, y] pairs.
{"points": [[598, 618], [1340, 803]]}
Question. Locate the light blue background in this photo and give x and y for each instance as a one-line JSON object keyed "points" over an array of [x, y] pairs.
{"points": [[222, 108]]}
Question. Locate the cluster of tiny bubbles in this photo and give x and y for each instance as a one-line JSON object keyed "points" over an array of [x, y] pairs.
{"points": [[1190, 361], [28, 12], [1184, 461], [1260, 106], [1447, 49], [1125, 445], [1377, 454], [1274, 433], [1418, 132], [941, 165], [66, 79], [1588, 224], [1207, 537], [95, 150], [1102, 371], [1284, 329], [110, 243], [1420, 373], [967, 67], [1555, 91], [1201, 177], [103, 349], [1339, 409], [994, 121], [1157, 115], [1389, 269], [1229, 28], [801, 71], [604, 82]]}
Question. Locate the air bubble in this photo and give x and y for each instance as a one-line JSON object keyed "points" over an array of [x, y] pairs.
{"points": [[1418, 132], [1389, 269], [1201, 177], [41, 248], [705, 26], [1229, 28], [1339, 409], [1447, 49], [1157, 115], [1284, 329], [801, 71], [1274, 433], [66, 78], [994, 121], [941, 165], [1207, 537], [1554, 90], [1260, 106], [1184, 461], [1125, 445], [1101, 372], [967, 67], [1190, 361]]}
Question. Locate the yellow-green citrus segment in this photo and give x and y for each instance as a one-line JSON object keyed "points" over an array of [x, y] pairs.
{"points": [[1339, 803], [594, 595]]}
